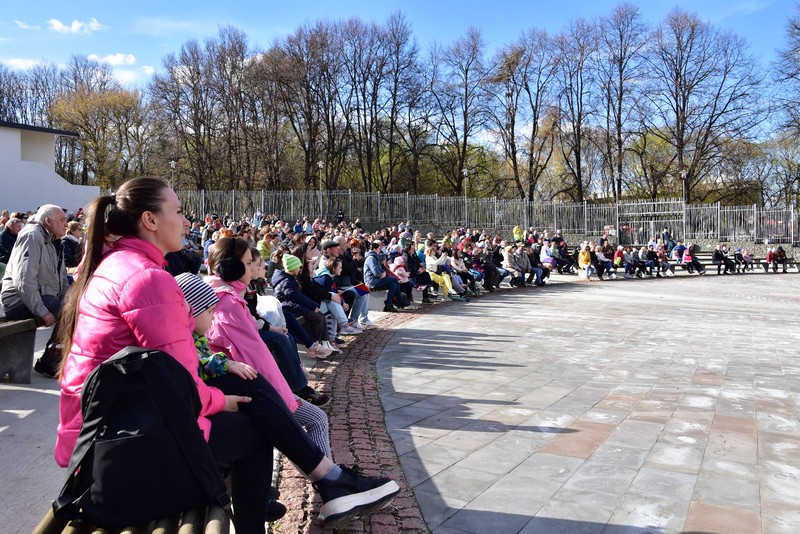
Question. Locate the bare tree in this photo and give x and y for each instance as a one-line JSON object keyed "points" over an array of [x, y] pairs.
{"points": [[401, 49], [622, 37], [576, 47], [704, 94], [458, 76], [787, 73], [522, 89]]}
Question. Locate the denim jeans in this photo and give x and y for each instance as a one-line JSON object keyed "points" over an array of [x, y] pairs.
{"points": [[391, 284], [503, 273], [336, 310], [360, 309], [284, 349]]}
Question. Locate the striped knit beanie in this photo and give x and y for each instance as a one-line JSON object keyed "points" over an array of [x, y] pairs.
{"points": [[290, 263], [197, 293]]}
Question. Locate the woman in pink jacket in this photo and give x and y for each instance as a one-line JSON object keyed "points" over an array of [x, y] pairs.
{"points": [[234, 332], [123, 297]]}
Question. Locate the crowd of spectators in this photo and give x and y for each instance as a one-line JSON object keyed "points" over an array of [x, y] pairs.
{"points": [[269, 286]]}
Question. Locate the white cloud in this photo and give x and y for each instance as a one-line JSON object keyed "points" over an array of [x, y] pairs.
{"points": [[21, 64], [26, 26], [126, 76], [4, 39], [76, 27], [115, 59], [133, 77]]}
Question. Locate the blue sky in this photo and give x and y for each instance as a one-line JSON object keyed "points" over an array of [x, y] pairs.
{"points": [[135, 36]]}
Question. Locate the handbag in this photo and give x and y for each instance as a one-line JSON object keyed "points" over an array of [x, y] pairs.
{"points": [[140, 454]]}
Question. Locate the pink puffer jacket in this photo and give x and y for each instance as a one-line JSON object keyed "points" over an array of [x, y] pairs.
{"points": [[130, 301], [234, 332]]}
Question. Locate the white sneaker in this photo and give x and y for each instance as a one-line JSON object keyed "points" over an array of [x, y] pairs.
{"points": [[355, 326], [366, 323], [333, 348], [348, 330], [318, 351]]}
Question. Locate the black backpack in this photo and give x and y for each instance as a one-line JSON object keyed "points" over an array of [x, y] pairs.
{"points": [[140, 455]]}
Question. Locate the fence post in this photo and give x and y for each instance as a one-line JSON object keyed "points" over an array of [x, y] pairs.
{"points": [[683, 201], [466, 209], [379, 207], [755, 223], [291, 203], [350, 204], [203, 202], [616, 221], [585, 218], [233, 204], [436, 210], [791, 224], [408, 207], [555, 221], [719, 221], [527, 209]]}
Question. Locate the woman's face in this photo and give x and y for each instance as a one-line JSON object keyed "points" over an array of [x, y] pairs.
{"points": [[247, 259], [169, 225], [337, 269], [254, 268], [309, 252]]}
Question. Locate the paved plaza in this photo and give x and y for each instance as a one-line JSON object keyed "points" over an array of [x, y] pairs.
{"points": [[617, 407], [626, 406]]}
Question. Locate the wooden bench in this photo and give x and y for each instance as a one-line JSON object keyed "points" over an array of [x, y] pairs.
{"points": [[212, 520], [18, 338]]}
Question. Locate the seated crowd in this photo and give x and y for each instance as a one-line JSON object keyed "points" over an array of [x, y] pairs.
{"points": [[270, 286]]}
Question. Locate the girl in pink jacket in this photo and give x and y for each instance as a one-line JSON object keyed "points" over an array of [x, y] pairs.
{"points": [[234, 332]]}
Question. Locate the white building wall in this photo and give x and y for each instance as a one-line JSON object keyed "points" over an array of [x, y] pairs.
{"points": [[27, 178]]}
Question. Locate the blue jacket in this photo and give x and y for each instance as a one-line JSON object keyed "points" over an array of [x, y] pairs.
{"points": [[372, 269], [287, 290]]}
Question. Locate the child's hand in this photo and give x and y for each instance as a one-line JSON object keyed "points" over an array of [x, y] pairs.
{"points": [[242, 370]]}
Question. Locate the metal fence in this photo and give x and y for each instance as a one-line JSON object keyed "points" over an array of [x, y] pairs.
{"points": [[632, 222]]}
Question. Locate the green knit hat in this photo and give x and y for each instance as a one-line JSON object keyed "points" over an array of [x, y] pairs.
{"points": [[290, 263]]}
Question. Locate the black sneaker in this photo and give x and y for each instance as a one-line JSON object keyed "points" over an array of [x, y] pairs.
{"points": [[353, 494], [389, 309], [427, 301], [275, 510], [309, 395], [42, 370]]}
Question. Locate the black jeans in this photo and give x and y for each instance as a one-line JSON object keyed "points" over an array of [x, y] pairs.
{"points": [[245, 440]]}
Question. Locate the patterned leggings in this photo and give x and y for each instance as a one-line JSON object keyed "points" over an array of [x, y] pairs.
{"points": [[315, 421]]}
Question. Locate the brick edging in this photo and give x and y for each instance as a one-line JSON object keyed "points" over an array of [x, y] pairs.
{"points": [[358, 436]]}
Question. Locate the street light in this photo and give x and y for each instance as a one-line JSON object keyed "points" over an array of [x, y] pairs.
{"points": [[465, 173], [683, 174], [172, 164]]}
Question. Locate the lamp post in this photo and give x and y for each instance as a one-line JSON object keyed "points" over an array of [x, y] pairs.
{"points": [[683, 199], [683, 174], [172, 164], [321, 165], [465, 173]]}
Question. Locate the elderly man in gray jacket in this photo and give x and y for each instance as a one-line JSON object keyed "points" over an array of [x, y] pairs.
{"points": [[36, 279]]}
